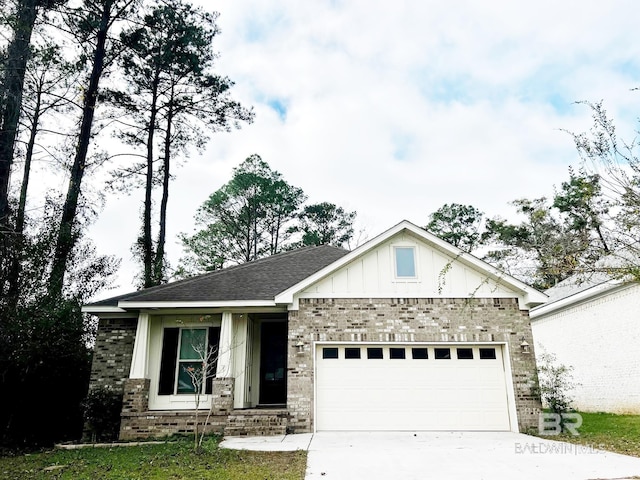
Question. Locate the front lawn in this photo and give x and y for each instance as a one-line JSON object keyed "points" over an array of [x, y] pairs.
{"points": [[607, 431], [175, 461]]}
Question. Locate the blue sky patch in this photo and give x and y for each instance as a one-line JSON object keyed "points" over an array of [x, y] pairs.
{"points": [[447, 89], [402, 144], [279, 106]]}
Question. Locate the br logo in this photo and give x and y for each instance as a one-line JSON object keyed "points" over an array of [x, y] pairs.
{"points": [[556, 423]]}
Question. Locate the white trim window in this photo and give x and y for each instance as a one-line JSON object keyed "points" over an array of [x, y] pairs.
{"points": [[405, 262], [181, 352]]}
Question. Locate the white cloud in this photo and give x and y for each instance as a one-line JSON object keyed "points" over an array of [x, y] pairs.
{"points": [[393, 109]]}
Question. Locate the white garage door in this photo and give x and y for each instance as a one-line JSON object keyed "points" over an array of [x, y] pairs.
{"points": [[411, 387]]}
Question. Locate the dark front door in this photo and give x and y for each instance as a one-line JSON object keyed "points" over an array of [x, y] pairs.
{"points": [[273, 363]]}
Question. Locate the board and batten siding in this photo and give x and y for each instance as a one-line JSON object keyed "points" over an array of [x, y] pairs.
{"points": [[438, 275]]}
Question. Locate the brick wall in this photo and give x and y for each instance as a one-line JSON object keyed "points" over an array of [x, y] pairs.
{"points": [[138, 422], [113, 352], [599, 340], [408, 320]]}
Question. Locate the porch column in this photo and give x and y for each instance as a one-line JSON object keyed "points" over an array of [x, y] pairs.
{"points": [[140, 360], [225, 348], [240, 324]]}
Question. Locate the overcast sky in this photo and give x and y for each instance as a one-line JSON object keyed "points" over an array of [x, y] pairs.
{"points": [[393, 109]]}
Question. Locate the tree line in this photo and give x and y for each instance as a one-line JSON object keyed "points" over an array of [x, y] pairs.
{"points": [[77, 74]]}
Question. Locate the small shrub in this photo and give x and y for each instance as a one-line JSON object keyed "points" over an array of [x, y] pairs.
{"points": [[102, 409], [555, 385]]}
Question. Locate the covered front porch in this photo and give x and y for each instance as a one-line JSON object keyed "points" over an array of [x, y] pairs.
{"points": [[245, 391]]}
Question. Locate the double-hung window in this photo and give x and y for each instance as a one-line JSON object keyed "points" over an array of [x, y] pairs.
{"points": [[185, 353]]}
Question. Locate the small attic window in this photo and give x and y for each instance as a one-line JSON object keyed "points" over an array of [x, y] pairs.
{"points": [[405, 258]]}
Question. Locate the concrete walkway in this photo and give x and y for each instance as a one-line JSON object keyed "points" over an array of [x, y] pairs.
{"points": [[277, 443], [445, 455]]}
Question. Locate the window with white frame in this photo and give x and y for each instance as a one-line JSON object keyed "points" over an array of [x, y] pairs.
{"points": [[405, 262], [185, 352]]}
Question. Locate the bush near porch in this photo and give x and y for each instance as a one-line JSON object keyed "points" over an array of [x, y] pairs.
{"points": [[175, 460]]}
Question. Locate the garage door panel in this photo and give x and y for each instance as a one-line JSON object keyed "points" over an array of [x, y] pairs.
{"points": [[411, 394]]}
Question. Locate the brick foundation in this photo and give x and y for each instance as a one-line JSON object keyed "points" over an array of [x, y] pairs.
{"points": [[408, 320], [138, 422]]}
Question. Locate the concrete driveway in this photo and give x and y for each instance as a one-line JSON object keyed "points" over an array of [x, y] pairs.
{"points": [[445, 455]]}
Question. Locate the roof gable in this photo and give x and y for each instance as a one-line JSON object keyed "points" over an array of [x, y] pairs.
{"points": [[442, 271]]}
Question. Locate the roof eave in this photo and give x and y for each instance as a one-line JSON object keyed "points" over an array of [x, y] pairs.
{"points": [[196, 304], [95, 309], [548, 308]]}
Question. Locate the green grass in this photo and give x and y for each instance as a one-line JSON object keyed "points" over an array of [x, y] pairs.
{"points": [[607, 431], [173, 461]]}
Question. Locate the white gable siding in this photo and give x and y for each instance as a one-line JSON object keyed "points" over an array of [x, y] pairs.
{"points": [[437, 275], [599, 338]]}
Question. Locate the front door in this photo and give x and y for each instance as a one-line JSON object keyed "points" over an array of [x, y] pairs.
{"points": [[273, 363]]}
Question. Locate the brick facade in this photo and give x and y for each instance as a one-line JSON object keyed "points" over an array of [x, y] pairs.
{"points": [[138, 422], [113, 352], [319, 320], [408, 320]]}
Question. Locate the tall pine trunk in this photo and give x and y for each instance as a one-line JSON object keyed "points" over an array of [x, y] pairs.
{"points": [[66, 236], [13, 83], [147, 241], [162, 234], [16, 267]]}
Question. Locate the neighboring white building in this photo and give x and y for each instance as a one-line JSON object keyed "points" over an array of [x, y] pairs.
{"points": [[594, 327]]}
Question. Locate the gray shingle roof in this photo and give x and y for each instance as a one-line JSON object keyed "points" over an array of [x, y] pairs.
{"points": [[258, 280]]}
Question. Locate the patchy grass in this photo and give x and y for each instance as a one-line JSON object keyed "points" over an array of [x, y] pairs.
{"points": [[607, 431], [173, 461]]}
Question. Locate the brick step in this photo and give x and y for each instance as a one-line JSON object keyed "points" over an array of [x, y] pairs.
{"points": [[256, 422]]}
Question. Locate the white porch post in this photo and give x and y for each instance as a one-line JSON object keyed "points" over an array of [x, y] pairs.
{"points": [[140, 360], [224, 350], [240, 324]]}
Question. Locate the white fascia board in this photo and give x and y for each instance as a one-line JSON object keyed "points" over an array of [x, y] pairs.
{"points": [[582, 296], [532, 296], [198, 304], [101, 309]]}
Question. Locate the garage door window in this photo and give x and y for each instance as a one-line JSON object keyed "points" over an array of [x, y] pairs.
{"points": [[465, 353], [487, 354], [419, 353], [374, 353], [329, 353], [350, 353], [442, 353], [397, 353]]}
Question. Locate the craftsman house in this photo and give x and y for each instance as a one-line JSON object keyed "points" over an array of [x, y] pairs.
{"points": [[406, 332]]}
